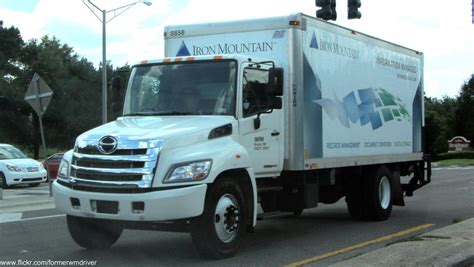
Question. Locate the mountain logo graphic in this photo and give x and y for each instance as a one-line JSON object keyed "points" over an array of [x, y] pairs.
{"points": [[183, 51], [314, 42], [375, 106]]}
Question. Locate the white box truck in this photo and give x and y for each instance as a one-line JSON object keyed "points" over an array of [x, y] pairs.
{"points": [[283, 112]]}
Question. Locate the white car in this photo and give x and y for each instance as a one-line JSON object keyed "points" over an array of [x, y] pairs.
{"points": [[16, 168]]}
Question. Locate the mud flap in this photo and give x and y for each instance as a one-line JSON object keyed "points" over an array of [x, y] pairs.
{"points": [[397, 189]]}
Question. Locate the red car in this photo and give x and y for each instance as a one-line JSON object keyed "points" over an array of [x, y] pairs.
{"points": [[52, 164]]}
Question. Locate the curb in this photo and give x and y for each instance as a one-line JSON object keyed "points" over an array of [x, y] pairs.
{"points": [[452, 245]]}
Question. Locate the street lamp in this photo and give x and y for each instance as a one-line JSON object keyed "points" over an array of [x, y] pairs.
{"points": [[101, 14]]}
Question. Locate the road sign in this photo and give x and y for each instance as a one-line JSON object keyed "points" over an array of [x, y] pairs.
{"points": [[38, 95]]}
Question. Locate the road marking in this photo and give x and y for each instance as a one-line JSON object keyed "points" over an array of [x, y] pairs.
{"points": [[10, 217], [360, 245], [16, 219]]}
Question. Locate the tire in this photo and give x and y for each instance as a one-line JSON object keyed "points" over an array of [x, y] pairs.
{"points": [[297, 212], [354, 207], [34, 185], [220, 231], [378, 195], [4, 181], [93, 234], [354, 197]]}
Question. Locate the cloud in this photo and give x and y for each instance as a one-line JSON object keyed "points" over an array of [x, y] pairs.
{"points": [[444, 33]]}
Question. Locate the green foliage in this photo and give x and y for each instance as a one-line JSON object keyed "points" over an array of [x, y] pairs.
{"points": [[439, 119], [455, 162], [458, 155], [464, 124], [76, 103]]}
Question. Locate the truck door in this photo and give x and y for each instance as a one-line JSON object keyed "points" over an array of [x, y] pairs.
{"points": [[263, 142]]}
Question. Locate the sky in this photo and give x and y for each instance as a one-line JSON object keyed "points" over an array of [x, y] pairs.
{"points": [[442, 30]]}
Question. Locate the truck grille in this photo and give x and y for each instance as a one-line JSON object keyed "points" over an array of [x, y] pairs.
{"points": [[94, 151], [130, 166]]}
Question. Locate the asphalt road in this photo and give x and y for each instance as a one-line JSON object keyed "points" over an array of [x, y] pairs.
{"points": [[276, 242]]}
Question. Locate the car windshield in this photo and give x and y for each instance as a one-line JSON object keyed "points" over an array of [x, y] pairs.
{"points": [[10, 152], [185, 88]]}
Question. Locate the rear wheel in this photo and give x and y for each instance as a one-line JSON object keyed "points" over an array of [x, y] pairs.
{"points": [[93, 234], [297, 211], [354, 197], [354, 206], [378, 196], [4, 181], [220, 230]]}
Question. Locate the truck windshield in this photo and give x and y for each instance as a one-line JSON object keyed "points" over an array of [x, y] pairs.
{"points": [[184, 88]]}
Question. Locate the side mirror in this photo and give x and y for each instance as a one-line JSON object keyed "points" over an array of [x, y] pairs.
{"points": [[275, 81], [116, 95], [275, 103]]}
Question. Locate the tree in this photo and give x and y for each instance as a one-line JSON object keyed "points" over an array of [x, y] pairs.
{"points": [[75, 106], [464, 124], [13, 116], [439, 121]]}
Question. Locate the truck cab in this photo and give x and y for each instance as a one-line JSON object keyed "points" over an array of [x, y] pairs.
{"points": [[194, 135]]}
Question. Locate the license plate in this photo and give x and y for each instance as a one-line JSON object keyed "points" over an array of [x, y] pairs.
{"points": [[108, 207]]}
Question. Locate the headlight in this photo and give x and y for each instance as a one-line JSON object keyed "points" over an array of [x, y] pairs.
{"points": [[63, 171], [13, 168], [189, 172]]}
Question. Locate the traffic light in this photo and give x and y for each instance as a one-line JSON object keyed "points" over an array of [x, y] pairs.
{"points": [[353, 6], [327, 11]]}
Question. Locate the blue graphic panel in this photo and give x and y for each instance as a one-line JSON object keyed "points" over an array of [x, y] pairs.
{"points": [[351, 107], [375, 120], [367, 96], [314, 42], [183, 51], [376, 107]]}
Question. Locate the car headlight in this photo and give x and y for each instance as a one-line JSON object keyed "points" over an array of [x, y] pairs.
{"points": [[189, 172], [63, 170], [13, 168]]}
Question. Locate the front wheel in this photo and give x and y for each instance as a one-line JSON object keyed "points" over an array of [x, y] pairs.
{"points": [[220, 230], [92, 233], [4, 181]]}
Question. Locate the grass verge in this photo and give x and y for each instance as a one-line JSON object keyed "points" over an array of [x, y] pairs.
{"points": [[455, 162]]}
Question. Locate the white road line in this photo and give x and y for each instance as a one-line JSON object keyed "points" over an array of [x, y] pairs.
{"points": [[10, 217], [29, 219]]}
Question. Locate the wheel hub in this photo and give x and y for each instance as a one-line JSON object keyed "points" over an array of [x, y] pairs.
{"points": [[227, 218], [384, 192]]}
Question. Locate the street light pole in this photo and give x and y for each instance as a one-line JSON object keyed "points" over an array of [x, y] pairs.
{"points": [[104, 68], [116, 12]]}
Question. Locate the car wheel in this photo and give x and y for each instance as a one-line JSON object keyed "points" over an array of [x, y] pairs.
{"points": [[4, 181], [92, 233], [220, 230]]}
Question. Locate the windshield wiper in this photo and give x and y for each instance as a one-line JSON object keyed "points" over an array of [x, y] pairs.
{"points": [[159, 113]]}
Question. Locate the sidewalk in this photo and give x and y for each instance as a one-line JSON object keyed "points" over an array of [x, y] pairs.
{"points": [[23, 199], [452, 245]]}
